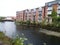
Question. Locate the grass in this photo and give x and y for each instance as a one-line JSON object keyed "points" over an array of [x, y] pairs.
{"points": [[4, 39]]}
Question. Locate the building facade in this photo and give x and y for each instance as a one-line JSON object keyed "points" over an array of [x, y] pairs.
{"points": [[39, 14], [49, 7], [19, 16]]}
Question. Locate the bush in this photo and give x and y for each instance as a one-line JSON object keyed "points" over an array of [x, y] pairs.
{"points": [[19, 40], [28, 22]]}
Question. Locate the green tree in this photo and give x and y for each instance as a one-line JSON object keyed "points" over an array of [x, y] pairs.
{"points": [[54, 15], [58, 19], [1, 18]]}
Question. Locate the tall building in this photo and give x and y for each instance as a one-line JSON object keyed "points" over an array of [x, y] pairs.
{"points": [[49, 7], [34, 14], [29, 15], [24, 16], [39, 14], [19, 16], [43, 13]]}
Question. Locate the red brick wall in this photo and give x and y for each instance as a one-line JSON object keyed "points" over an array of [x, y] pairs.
{"points": [[37, 14], [43, 13]]}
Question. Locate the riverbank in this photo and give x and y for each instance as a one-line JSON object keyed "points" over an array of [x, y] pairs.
{"points": [[4, 40], [50, 37], [50, 27], [41, 30], [52, 33], [43, 26]]}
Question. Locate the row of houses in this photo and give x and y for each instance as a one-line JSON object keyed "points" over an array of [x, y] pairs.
{"points": [[39, 14]]}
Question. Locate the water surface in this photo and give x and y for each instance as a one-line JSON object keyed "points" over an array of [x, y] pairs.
{"points": [[35, 38]]}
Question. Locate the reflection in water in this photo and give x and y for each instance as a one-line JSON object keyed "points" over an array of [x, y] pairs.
{"points": [[35, 38], [9, 28]]}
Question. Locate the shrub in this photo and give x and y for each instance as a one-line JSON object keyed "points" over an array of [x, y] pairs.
{"points": [[28, 22], [19, 40]]}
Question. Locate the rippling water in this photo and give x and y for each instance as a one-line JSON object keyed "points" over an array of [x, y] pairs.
{"points": [[11, 30]]}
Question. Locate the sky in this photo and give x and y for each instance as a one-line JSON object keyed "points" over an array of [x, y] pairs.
{"points": [[9, 7]]}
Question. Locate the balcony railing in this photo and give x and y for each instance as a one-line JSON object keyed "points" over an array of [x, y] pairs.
{"points": [[49, 5], [40, 9], [58, 3], [58, 7], [40, 12], [58, 12], [49, 8], [48, 13], [40, 16]]}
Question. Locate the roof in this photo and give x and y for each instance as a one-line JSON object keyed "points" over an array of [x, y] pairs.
{"points": [[52, 2]]}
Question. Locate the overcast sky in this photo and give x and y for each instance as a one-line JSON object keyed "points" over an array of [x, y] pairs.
{"points": [[9, 7]]}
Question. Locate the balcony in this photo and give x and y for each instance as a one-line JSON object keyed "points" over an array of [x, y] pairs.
{"points": [[40, 19], [49, 8], [58, 3], [40, 12], [40, 9], [49, 12], [40, 15], [34, 13], [58, 12], [58, 7], [49, 4]]}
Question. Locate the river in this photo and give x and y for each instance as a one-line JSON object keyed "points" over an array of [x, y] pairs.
{"points": [[34, 38]]}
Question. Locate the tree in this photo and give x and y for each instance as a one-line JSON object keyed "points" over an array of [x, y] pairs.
{"points": [[58, 19], [54, 15], [1, 18]]}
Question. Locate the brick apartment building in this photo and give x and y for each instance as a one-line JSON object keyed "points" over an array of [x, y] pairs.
{"points": [[19, 16], [39, 14], [49, 7]]}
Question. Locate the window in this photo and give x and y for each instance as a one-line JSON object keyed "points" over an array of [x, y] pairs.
{"points": [[40, 11], [58, 14], [40, 19], [58, 9], [49, 4], [40, 15], [58, 3], [49, 10]]}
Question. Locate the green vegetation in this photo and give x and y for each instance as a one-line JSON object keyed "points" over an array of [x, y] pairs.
{"points": [[54, 15], [19, 40], [55, 19], [28, 22], [1, 18], [4, 39], [55, 25]]}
